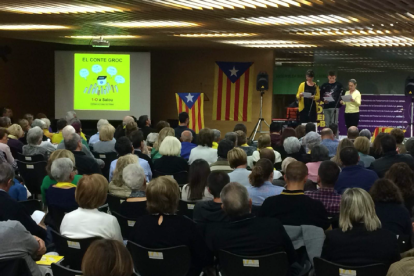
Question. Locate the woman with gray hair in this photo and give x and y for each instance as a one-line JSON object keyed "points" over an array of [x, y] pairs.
{"points": [[134, 178], [34, 139], [359, 240], [46, 128], [293, 148]]}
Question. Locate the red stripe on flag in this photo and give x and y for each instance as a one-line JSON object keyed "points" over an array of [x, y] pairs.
{"points": [[180, 105], [236, 100], [193, 117], [219, 88], [246, 96], [228, 97], [199, 114]]}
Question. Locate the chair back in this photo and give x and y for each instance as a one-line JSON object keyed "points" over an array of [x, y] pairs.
{"points": [[107, 157], [326, 268], [56, 215], [404, 242], [60, 270], [173, 261], [33, 174], [180, 177], [125, 223], [255, 210], [275, 264], [31, 205], [30, 158], [114, 202], [186, 208], [72, 249], [14, 267]]}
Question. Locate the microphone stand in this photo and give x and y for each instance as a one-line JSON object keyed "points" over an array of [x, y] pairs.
{"points": [[336, 107]]}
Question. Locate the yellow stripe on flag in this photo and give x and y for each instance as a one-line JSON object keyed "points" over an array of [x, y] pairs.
{"points": [[177, 99], [216, 74], [202, 110]]}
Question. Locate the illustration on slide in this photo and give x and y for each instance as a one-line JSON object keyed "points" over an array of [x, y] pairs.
{"points": [[102, 85]]}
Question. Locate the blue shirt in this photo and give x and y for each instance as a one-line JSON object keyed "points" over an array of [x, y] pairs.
{"points": [[186, 148], [241, 176], [259, 194], [144, 164], [355, 177], [331, 145], [18, 191]]}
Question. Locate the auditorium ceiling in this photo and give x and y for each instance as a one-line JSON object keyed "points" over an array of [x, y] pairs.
{"points": [[298, 25]]}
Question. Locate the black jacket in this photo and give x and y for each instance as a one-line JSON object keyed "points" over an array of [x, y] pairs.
{"points": [[382, 165], [86, 164], [170, 164], [394, 217]]}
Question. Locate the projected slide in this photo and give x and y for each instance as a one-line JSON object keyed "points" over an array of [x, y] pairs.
{"points": [[101, 82]]}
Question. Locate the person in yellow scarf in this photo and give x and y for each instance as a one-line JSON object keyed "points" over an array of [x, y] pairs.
{"points": [[217, 135], [308, 94]]}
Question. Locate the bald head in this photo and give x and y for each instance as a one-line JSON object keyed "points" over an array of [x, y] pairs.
{"points": [[67, 131], [127, 119], [353, 132], [186, 136], [327, 133]]}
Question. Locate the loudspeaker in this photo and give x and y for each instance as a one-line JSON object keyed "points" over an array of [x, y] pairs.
{"points": [[409, 86], [262, 83]]}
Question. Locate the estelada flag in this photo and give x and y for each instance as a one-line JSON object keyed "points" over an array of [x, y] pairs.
{"points": [[193, 104], [233, 89]]}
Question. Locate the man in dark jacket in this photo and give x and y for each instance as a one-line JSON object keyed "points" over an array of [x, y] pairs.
{"points": [[84, 163]]}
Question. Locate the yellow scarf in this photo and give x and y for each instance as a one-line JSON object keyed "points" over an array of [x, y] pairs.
{"points": [[64, 185], [245, 145]]}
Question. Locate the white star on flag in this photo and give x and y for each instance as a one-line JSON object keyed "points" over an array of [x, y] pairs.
{"points": [[233, 71], [189, 98]]}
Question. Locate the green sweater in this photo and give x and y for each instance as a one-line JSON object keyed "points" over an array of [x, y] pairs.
{"points": [[47, 182]]}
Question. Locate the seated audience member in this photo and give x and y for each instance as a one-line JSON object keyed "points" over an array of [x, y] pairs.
{"points": [[46, 128], [319, 154], [310, 127], [270, 155], [134, 178], [170, 162], [231, 136], [286, 133], [123, 146], [17, 242], [48, 180], [293, 148], [106, 141], [153, 136], [29, 118], [261, 182], [409, 146], [240, 127], [184, 121], [71, 117], [162, 228], [186, 145], [166, 131], [353, 133], [84, 163], [57, 137], [204, 149], [398, 135], [196, 189], [10, 209], [292, 206], [216, 139], [222, 164], [5, 122], [39, 123], [76, 123], [18, 190], [246, 234], [275, 133], [25, 126], [120, 130], [329, 141], [344, 143], [390, 157], [107, 258], [140, 149], [300, 132], [402, 176], [353, 175], [144, 123], [389, 207], [117, 185], [238, 162], [5, 148], [312, 139], [286, 163], [15, 133], [359, 240], [130, 127], [366, 133], [334, 128], [86, 221], [362, 145], [34, 139], [327, 176], [405, 267], [376, 149], [210, 211], [95, 138], [62, 194], [264, 142], [242, 143]]}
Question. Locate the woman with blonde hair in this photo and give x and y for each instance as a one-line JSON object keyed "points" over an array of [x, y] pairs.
{"points": [[362, 145], [15, 133], [344, 143], [264, 142], [106, 141], [166, 131], [48, 180], [117, 186], [359, 240]]}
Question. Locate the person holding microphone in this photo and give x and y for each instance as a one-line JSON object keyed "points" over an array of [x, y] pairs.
{"points": [[308, 93], [352, 107]]}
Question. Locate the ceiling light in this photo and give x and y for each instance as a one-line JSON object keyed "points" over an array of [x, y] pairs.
{"points": [[378, 41], [99, 36], [268, 43], [227, 4], [30, 27], [215, 35], [149, 24], [335, 31], [57, 8], [293, 20], [279, 45]]}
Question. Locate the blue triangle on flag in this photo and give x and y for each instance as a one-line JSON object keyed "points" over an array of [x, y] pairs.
{"points": [[234, 70], [189, 98]]}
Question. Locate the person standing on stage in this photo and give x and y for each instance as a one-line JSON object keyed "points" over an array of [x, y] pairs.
{"points": [[334, 89], [307, 106], [352, 107]]}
